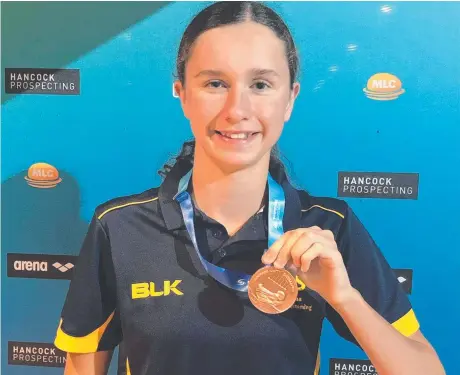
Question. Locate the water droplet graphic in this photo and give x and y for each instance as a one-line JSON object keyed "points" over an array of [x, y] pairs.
{"points": [[319, 84], [386, 9], [352, 47]]}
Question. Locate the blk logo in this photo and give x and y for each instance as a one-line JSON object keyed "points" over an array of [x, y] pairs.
{"points": [[145, 290], [404, 277]]}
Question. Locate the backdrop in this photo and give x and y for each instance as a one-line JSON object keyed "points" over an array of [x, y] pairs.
{"points": [[109, 121]]}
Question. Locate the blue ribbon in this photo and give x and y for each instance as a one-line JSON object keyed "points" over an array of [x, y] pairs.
{"points": [[232, 279]]}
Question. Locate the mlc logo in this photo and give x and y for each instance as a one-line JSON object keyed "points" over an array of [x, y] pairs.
{"points": [[42, 176], [383, 86]]}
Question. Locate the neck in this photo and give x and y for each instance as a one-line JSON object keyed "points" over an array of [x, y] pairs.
{"points": [[230, 198]]}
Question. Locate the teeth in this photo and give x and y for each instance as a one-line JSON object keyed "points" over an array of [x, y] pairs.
{"points": [[236, 135]]}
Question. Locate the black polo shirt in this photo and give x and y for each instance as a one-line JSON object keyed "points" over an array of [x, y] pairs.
{"points": [[139, 280]]}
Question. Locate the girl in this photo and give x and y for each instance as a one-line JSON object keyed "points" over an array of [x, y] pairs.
{"points": [[165, 270]]}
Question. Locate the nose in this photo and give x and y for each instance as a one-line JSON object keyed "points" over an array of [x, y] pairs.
{"points": [[238, 105]]}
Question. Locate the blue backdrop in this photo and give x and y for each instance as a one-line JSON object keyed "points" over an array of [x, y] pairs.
{"points": [[112, 138]]}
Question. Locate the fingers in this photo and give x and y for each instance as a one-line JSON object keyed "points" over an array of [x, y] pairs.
{"points": [[328, 234], [281, 252], [272, 253], [312, 253], [284, 255], [303, 243]]}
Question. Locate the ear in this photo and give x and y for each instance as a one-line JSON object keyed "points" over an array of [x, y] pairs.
{"points": [[294, 93], [179, 92]]}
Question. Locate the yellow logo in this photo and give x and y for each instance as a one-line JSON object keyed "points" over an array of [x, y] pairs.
{"points": [[42, 176], [300, 284], [145, 290], [384, 86]]}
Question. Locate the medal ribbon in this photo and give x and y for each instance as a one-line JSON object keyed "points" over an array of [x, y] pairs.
{"points": [[232, 279]]}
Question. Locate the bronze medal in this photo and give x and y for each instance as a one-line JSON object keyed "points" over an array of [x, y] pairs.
{"points": [[272, 290]]}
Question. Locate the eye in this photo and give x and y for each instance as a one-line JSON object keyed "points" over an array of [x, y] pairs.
{"points": [[215, 84], [261, 85]]}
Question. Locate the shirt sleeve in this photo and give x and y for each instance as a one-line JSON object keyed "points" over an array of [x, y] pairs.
{"points": [[89, 319], [372, 276]]}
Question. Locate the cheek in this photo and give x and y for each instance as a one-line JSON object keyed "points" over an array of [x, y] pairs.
{"points": [[270, 113], [204, 108]]}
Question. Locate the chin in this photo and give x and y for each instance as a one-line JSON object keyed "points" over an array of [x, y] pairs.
{"points": [[236, 162]]}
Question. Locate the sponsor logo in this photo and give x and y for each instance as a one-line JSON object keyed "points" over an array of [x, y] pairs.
{"points": [[340, 366], [300, 284], [383, 86], [42, 176], [63, 267], [35, 354], [40, 266], [42, 81], [404, 277], [145, 290], [378, 185], [298, 305]]}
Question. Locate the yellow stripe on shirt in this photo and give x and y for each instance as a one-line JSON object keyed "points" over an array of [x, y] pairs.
{"points": [[83, 344], [407, 324], [318, 361], [128, 370], [325, 209], [125, 205]]}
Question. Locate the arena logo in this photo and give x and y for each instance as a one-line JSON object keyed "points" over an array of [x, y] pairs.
{"points": [[341, 366], [384, 86], [404, 277], [42, 81], [40, 266], [35, 354], [378, 185]]}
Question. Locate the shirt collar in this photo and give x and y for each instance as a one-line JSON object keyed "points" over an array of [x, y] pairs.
{"points": [[172, 214]]}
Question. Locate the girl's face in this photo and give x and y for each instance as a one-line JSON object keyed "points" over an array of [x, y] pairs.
{"points": [[237, 93]]}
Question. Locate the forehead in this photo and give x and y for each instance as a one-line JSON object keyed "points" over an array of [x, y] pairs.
{"points": [[239, 47]]}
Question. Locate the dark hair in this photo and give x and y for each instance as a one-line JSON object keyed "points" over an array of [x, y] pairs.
{"points": [[232, 12], [227, 13]]}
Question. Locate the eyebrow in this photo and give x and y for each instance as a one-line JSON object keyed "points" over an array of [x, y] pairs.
{"points": [[262, 72], [255, 71]]}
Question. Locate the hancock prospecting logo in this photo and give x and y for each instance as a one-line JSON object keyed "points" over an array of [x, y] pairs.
{"points": [[43, 176], [383, 86], [42, 81], [378, 185], [35, 354], [40, 266], [344, 366]]}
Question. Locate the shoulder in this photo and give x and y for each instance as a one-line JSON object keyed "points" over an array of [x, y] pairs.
{"points": [[127, 204], [326, 206]]}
